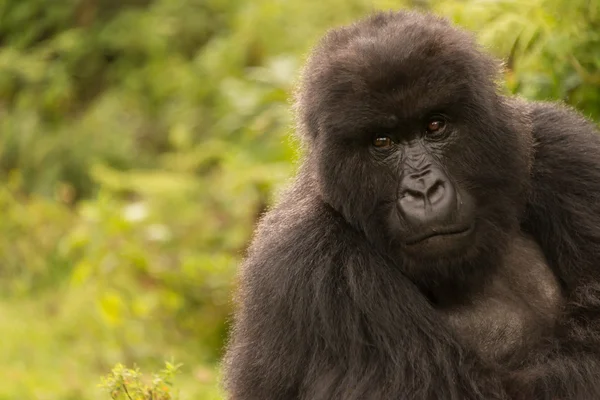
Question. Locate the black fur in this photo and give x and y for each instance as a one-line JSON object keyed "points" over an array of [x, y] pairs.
{"points": [[332, 306]]}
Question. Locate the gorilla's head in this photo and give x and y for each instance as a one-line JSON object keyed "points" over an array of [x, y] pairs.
{"points": [[411, 141]]}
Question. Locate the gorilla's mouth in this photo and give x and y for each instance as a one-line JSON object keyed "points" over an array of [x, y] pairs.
{"points": [[444, 231]]}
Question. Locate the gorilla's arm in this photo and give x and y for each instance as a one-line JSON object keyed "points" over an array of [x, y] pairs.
{"points": [[563, 214], [323, 317]]}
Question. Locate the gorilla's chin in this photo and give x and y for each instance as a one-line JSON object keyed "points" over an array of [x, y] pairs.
{"points": [[440, 242]]}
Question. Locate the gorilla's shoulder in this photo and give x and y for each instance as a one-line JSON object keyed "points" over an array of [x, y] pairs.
{"points": [[560, 121], [301, 224], [566, 155]]}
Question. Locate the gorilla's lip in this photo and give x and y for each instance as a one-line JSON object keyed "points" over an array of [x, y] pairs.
{"points": [[444, 231]]}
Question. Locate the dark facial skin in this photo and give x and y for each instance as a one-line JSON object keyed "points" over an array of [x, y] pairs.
{"points": [[432, 216], [440, 241]]}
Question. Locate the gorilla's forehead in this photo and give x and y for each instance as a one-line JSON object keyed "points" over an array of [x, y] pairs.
{"points": [[404, 85]]}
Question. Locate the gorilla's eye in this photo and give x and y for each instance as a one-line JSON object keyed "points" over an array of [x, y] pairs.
{"points": [[436, 125], [382, 141]]}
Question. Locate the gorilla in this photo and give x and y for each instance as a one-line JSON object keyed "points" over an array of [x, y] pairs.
{"points": [[441, 239]]}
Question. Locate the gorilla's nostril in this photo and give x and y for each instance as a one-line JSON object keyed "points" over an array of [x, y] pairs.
{"points": [[429, 201], [413, 194], [436, 192]]}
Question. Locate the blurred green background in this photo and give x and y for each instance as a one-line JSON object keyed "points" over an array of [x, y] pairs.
{"points": [[141, 139]]}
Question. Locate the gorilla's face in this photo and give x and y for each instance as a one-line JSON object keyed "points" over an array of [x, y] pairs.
{"points": [[413, 180], [439, 183], [414, 146], [432, 214]]}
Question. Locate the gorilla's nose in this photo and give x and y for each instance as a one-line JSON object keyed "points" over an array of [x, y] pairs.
{"points": [[427, 197]]}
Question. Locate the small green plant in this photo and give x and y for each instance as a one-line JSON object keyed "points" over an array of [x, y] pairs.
{"points": [[129, 384]]}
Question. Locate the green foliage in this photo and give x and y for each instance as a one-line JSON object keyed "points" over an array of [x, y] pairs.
{"points": [[141, 139], [129, 384]]}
